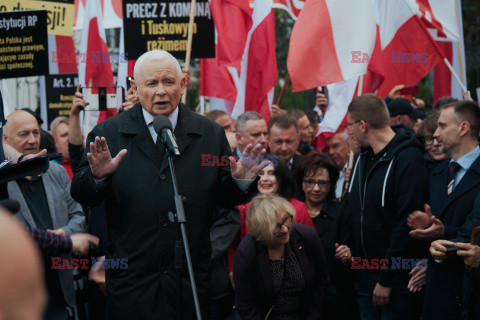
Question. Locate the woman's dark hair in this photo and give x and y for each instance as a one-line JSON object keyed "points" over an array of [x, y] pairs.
{"points": [[285, 180], [428, 125], [312, 162]]}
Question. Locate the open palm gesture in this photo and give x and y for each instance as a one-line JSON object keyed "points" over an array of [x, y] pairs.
{"points": [[101, 162]]}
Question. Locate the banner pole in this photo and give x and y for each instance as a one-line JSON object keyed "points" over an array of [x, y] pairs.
{"points": [[189, 43]]}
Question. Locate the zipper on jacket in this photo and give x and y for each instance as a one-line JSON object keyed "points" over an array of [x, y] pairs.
{"points": [[362, 202]]}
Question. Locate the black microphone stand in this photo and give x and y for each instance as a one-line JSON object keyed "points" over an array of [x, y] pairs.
{"points": [[181, 243]]}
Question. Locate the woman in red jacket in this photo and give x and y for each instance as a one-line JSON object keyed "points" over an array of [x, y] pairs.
{"points": [[274, 179]]}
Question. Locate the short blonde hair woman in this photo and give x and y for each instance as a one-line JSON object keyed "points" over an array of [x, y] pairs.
{"points": [[279, 269], [262, 216]]}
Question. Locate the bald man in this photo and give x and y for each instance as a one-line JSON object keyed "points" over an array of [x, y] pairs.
{"points": [[45, 204], [22, 291]]}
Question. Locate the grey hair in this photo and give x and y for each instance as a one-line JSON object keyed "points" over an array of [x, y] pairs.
{"points": [[155, 55], [54, 124], [343, 134], [241, 124]]}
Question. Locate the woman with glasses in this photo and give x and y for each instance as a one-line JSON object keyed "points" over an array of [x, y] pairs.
{"points": [[425, 134], [274, 179], [317, 177], [280, 271]]}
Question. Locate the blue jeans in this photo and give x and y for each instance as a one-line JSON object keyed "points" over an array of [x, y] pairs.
{"points": [[401, 304]]}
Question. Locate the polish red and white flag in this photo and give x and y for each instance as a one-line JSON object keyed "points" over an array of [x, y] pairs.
{"points": [[328, 42], [244, 73], [408, 49], [219, 76], [258, 73], [443, 20]]}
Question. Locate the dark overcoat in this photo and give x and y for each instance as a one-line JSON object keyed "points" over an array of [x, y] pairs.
{"points": [[138, 198]]}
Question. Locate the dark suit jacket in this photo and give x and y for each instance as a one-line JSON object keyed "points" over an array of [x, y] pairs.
{"points": [[64, 212], [138, 198], [296, 159], [454, 209], [252, 274], [471, 279], [442, 289]]}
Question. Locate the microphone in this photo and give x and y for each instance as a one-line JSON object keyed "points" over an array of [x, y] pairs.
{"points": [[11, 205], [163, 127]]}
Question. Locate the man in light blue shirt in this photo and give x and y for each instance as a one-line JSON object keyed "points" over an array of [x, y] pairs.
{"points": [[453, 186]]}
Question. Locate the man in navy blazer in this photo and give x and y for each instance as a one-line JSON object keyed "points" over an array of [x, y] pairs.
{"points": [[453, 186]]}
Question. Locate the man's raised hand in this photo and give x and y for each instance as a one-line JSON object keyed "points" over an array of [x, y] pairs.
{"points": [[252, 161], [101, 162], [78, 103]]}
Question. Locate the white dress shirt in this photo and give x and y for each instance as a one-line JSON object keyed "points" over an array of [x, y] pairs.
{"points": [[340, 182]]}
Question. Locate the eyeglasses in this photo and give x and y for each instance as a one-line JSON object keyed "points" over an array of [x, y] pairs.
{"points": [[322, 184], [349, 124], [287, 222], [428, 140]]}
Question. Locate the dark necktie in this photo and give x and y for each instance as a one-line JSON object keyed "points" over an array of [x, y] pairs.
{"points": [[160, 146], [454, 167]]}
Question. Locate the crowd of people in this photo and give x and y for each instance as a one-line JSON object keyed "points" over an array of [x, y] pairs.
{"points": [[375, 222]]}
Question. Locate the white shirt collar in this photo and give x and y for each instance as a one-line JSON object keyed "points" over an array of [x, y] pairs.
{"points": [[173, 117]]}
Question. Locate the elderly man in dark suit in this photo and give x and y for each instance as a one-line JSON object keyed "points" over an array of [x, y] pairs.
{"points": [[137, 189]]}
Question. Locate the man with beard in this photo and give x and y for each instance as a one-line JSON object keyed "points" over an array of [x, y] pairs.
{"points": [[453, 186]]}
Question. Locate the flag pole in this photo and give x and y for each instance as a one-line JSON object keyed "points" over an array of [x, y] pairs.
{"points": [[284, 89], [455, 75], [189, 43], [459, 44], [360, 86]]}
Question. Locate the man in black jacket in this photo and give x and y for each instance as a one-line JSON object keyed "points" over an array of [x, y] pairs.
{"points": [[388, 182], [137, 189]]}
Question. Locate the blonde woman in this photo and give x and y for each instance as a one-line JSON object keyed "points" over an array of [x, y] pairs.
{"points": [[279, 269]]}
